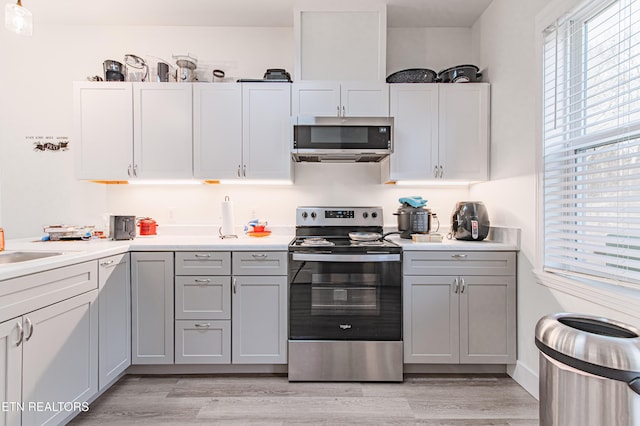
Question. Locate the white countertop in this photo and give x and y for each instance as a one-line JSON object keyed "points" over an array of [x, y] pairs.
{"points": [[500, 239]]}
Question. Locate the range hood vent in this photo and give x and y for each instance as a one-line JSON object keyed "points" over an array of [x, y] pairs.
{"points": [[340, 158]]}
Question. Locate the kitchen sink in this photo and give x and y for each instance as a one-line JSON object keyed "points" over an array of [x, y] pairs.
{"points": [[23, 256]]}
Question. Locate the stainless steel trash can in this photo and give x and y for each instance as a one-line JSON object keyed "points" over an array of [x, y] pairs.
{"points": [[589, 371]]}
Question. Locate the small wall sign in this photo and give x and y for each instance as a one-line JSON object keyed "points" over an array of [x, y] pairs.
{"points": [[49, 143]]}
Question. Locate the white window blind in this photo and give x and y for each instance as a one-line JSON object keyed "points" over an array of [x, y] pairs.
{"points": [[591, 143]]}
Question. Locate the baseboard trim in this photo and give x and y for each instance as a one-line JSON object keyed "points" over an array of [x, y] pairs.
{"points": [[525, 377], [208, 369], [454, 368]]}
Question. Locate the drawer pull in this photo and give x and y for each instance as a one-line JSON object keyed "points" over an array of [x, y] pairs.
{"points": [[459, 256], [20, 333], [259, 256], [203, 281], [203, 256], [206, 325], [107, 263]]}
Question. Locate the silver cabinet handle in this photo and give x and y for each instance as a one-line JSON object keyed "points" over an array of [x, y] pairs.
{"points": [[129, 170], [135, 170], [441, 172], [29, 329], [459, 256], [462, 287], [20, 333], [259, 256], [456, 285], [244, 170], [107, 263], [202, 281], [202, 255], [234, 286], [435, 172], [343, 111], [238, 170], [205, 325], [338, 110]]}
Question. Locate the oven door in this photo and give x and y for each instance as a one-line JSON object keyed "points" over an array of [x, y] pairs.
{"points": [[345, 296]]}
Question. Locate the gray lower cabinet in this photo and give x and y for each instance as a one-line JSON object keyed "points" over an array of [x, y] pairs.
{"points": [[152, 296], [114, 301], [49, 354], [459, 307], [203, 308], [259, 308]]}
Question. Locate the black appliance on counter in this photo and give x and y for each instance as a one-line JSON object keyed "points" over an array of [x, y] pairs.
{"points": [[470, 221], [345, 297]]}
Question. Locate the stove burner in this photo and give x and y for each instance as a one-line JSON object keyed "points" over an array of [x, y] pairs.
{"points": [[316, 242]]}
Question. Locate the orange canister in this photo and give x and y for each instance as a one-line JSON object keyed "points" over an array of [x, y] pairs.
{"points": [[1, 239]]}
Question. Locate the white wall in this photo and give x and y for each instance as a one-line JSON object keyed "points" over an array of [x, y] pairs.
{"points": [[505, 36], [36, 86]]}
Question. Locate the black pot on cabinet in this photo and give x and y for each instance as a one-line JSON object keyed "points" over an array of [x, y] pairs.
{"points": [[470, 221]]}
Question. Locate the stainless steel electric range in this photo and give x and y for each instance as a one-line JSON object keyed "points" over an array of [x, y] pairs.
{"points": [[345, 297]]}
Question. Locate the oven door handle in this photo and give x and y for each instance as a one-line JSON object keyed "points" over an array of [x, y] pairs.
{"points": [[324, 257]]}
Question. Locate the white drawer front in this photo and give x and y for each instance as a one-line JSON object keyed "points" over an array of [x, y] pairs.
{"points": [[203, 342], [260, 263], [459, 263], [203, 297], [203, 263]]}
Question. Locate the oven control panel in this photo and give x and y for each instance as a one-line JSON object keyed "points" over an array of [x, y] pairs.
{"points": [[339, 216]]}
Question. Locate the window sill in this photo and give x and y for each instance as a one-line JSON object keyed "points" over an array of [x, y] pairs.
{"points": [[622, 299]]}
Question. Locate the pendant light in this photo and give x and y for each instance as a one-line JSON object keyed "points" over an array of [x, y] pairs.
{"points": [[18, 19]]}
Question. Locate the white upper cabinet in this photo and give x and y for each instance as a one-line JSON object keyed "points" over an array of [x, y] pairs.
{"points": [[103, 130], [338, 40], [441, 132], [162, 130], [340, 99], [266, 131], [217, 130], [133, 130]]}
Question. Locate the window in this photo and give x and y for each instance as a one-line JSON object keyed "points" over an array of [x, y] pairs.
{"points": [[591, 146]]}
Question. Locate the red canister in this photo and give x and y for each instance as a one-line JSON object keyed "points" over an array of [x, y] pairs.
{"points": [[147, 226]]}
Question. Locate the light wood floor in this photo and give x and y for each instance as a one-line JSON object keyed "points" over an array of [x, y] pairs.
{"points": [[272, 400]]}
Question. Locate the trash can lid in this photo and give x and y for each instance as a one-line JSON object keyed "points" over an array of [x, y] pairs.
{"points": [[597, 344]]}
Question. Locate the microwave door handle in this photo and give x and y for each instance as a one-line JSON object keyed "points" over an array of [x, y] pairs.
{"points": [[324, 257]]}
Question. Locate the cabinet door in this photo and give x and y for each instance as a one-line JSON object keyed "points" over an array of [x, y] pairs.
{"points": [[316, 99], [163, 130], [464, 131], [10, 370], [430, 323], [60, 357], [415, 150], [362, 99], [103, 130], [217, 127], [203, 342], [114, 301], [152, 307], [487, 320], [259, 316], [267, 131]]}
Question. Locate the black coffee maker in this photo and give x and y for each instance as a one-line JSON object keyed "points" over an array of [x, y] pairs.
{"points": [[470, 221], [113, 70]]}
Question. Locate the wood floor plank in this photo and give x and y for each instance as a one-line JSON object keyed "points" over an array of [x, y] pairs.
{"points": [[433, 400]]}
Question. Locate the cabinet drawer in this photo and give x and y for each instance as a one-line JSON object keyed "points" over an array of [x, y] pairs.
{"points": [[203, 342], [30, 292], [459, 263], [203, 263], [203, 297], [260, 263]]}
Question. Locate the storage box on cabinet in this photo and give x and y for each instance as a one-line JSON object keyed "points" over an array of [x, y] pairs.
{"points": [[459, 307], [203, 307]]}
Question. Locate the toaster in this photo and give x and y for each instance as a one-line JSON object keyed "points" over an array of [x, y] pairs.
{"points": [[122, 227]]}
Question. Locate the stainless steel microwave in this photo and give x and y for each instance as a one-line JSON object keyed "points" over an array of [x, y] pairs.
{"points": [[342, 139]]}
